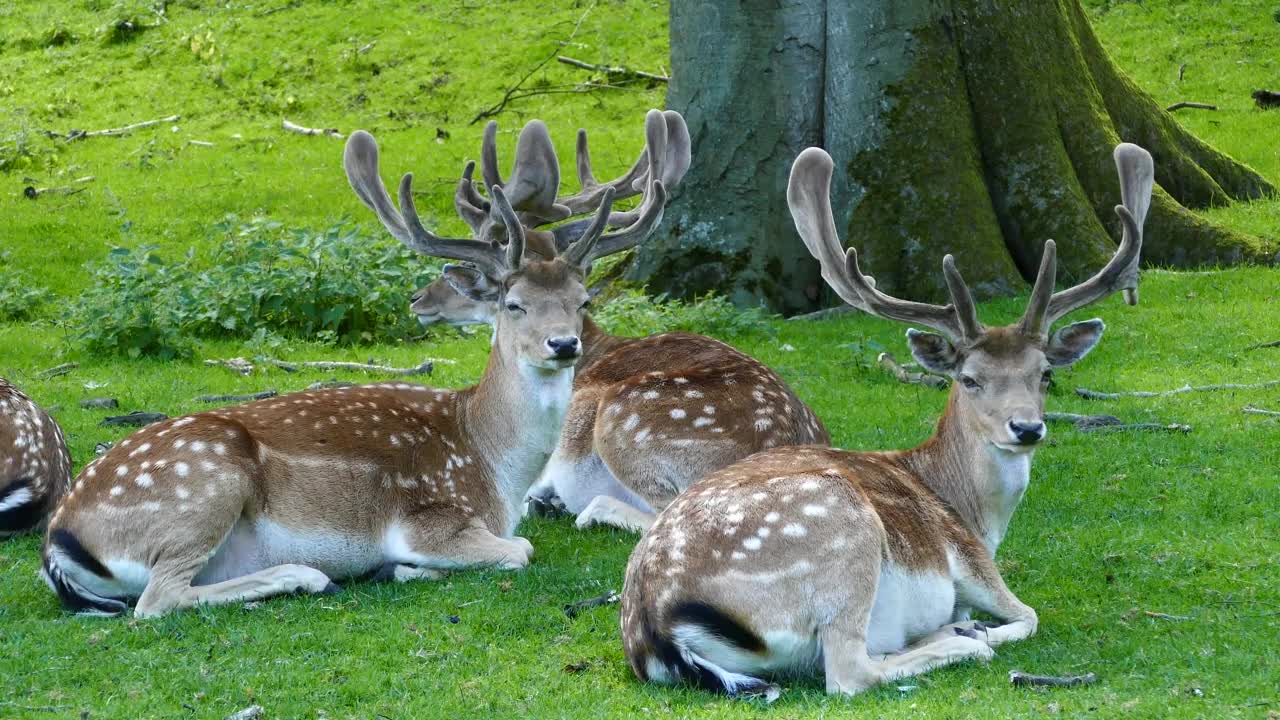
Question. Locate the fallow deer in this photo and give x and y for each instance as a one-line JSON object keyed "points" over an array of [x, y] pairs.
{"points": [[649, 415], [866, 565], [404, 481], [35, 468]]}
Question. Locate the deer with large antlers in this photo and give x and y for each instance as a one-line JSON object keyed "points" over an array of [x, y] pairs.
{"points": [[399, 480], [866, 565], [35, 468], [649, 415]]}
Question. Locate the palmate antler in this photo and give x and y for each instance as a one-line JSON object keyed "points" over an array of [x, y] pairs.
{"points": [[809, 197], [360, 160]]}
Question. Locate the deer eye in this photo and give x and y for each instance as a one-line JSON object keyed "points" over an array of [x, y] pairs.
{"points": [[969, 383], [514, 307]]}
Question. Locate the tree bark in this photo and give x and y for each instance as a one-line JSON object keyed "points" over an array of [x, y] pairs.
{"points": [[974, 127]]}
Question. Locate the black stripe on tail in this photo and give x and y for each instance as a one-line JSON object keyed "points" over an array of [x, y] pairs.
{"points": [[693, 669], [22, 517], [75, 598]]}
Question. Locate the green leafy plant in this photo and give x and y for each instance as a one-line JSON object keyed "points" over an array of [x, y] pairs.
{"points": [[20, 299], [632, 312]]}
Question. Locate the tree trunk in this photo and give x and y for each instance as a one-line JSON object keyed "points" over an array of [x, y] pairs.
{"points": [[974, 127]]}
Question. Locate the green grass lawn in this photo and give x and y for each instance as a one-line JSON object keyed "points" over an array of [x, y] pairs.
{"points": [[1114, 524]]}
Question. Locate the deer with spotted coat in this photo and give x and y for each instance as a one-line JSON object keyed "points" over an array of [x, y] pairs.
{"points": [[865, 566], [393, 479], [649, 415], [35, 468]]}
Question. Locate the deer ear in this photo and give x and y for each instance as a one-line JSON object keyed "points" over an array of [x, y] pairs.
{"points": [[1072, 342], [469, 282], [933, 351]]}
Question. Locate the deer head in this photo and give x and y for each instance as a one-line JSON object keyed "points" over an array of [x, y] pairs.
{"points": [[532, 192], [542, 301], [1001, 373]]}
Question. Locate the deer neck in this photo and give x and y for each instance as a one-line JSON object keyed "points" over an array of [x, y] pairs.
{"points": [[982, 483], [596, 343], [513, 416]]}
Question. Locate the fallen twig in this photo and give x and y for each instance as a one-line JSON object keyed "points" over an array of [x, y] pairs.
{"points": [[237, 398], [31, 192], [236, 365], [329, 384], [888, 362], [200, 143], [1083, 421], [1166, 616], [1259, 346], [1192, 105], [424, 368], [623, 72], [575, 608], [511, 93], [1095, 395], [125, 130], [824, 314], [1021, 679], [57, 370], [1253, 410], [295, 128], [100, 403], [1171, 427], [136, 418]]}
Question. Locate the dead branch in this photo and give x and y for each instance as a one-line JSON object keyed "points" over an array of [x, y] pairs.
{"points": [[1021, 679], [1166, 616], [1083, 422], [575, 608], [136, 418], [57, 370], [1259, 346], [1095, 395], [512, 92], [625, 73], [1252, 410], [424, 368], [100, 403], [1192, 105], [32, 192], [1171, 427], [200, 143], [253, 712], [295, 128], [236, 365], [1266, 99], [124, 130], [330, 384], [824, 314], [237, 398], [888, 362]]}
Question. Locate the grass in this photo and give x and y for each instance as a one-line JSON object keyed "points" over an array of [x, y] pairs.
{"points": [[1114, 524]]}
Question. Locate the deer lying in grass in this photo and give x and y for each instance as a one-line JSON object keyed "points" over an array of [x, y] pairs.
{"points": [[649, 415], [35, 468], [867, 564], [287, 494]]}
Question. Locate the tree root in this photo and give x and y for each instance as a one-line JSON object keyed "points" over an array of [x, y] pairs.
{"points": [[1095, 395], [1021, 679]]}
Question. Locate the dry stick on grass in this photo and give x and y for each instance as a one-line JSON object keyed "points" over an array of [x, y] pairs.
{"points": [[614, 70], [424, 368], [1166, 616], [1192, 105], [125, 130], [237, 398], [888, 362], [575, 608], [57, 370], [1171, 427], [1252, 410], [1095, 395], [1083, 421], [512, 92], [329, 384], [295, 128], [1021, 679], [200, 143], [1259, 346], [32, 192]]}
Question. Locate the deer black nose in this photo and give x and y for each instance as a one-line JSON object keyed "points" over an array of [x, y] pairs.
{"points": [[563, 347], [1027, 433]]}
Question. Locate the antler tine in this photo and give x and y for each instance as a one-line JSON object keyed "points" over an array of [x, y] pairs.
{"points": [[1137, 178], [515, 230], [946, 319], [468, 203], [489, 156], [638, 231], [535, 177], [1033, 319], [679, 149], [629, 184], [809, 199], [360, 160], [580, 252], [961, 299]]}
